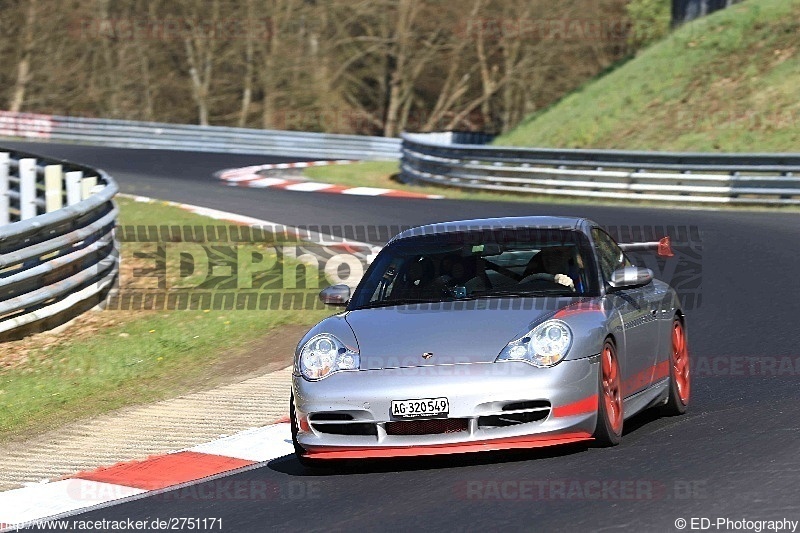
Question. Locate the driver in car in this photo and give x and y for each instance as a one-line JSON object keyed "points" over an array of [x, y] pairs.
{"points": [[554, 265]]}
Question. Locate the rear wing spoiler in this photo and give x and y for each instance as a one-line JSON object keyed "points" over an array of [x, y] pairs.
{"points": [[663, 247]]}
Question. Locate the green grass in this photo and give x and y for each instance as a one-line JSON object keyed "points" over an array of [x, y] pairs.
{"points": [[364, 174], [139, 358], [379, 174], [727, 82], [162, 356]]}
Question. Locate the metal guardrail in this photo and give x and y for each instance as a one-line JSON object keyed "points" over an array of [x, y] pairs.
{"points": [[751, 179], [131, 134], [58, 255]]}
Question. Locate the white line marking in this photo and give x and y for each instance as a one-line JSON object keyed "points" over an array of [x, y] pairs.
{"points": [[366, 191], [232, 217], [308, 186], [302, 233]]}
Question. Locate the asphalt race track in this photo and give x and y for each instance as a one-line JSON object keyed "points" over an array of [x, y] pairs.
{"points": [[733, 455]]}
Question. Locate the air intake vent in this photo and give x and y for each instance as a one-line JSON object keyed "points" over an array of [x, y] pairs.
{"points": [[320, 417], [523, 406], [427, 427], [355, 428], [517, 413], [341, 424]]}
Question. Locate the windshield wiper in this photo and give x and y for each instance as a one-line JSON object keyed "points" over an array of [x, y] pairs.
{"points": [[399, 301], [504, 294]]}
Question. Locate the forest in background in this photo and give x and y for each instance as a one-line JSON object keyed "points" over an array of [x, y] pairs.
{"points": [[347, 66]]}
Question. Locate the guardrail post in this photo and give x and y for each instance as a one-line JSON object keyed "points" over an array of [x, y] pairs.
{"points": [[53, 188], [73, 180], [27, 188], [5, 161], [786, 196], [87, 184]]}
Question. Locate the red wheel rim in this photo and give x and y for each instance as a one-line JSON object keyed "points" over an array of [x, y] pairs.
{"points": [[611, 389], [680, 362]]}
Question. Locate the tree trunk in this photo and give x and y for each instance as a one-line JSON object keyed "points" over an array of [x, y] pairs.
{"points": [[199, 93], [24, 64], [247, 89], [400, 54]]}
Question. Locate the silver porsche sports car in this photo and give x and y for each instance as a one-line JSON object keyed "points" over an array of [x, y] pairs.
{"points": [[487, 335]]}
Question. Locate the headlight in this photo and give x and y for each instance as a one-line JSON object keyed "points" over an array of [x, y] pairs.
{"points": [[323, 355], [545, 345]]}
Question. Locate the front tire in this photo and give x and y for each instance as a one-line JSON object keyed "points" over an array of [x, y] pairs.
{"points": [[679, 377], [610, 416], [299, 451]]}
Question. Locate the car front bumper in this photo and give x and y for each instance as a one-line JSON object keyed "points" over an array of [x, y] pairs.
{"points": [[492, 406]]}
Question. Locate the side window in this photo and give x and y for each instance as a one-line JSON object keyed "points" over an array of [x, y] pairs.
{"points": [[609, 254]]}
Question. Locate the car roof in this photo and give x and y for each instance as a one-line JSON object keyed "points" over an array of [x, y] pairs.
{"points": [[529, 222]]}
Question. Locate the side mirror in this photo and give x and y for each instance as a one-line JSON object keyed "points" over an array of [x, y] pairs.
{"points": [[630, 278], [335, 295]]}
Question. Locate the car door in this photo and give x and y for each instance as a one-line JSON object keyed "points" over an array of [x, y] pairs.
{"points": [[638, 308]]}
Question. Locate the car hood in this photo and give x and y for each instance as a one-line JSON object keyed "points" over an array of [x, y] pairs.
{"points": [[467, 332]]}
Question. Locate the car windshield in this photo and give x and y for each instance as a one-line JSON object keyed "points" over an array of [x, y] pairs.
{"points": [[479, 264]]}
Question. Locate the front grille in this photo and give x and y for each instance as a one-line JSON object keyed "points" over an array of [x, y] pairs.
{"points": [[427, 427]]}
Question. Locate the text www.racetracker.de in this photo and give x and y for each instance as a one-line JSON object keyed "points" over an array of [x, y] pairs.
{"points": [[172, 523]]}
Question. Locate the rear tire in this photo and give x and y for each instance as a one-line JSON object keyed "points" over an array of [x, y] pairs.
{"points": [[679, 376], [610, 415]]}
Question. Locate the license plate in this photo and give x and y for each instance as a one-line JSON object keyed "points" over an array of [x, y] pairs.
{"points": [[424, 407]]}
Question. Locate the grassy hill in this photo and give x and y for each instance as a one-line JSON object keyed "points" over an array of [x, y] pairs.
{"points": [[729, 82]]}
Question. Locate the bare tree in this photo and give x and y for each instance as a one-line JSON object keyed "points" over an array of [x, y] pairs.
{"points": [[249, 53], [363, 66], [200, 43], [24, 73], [279, 20]]}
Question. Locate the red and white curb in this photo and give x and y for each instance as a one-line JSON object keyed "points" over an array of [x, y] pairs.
{"points": [[36, 503], [250, 177]]}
